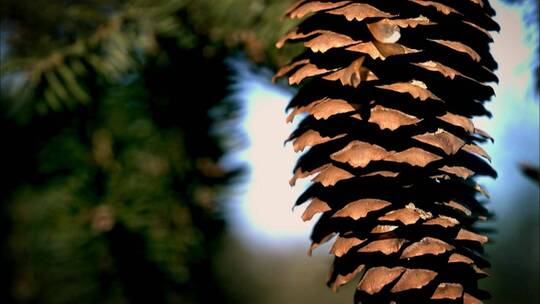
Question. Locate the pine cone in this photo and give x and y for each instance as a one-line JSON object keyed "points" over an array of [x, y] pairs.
{"points": [[389, 88]]}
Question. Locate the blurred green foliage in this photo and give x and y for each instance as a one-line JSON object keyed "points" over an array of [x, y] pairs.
{"points": [[119, 173], [111, 152], [108, 203], [58, 51]]}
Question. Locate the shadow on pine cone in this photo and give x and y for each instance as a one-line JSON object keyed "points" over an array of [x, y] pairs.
{"points": [[389, 89]]}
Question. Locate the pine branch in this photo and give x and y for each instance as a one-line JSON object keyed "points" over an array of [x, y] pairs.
{"points": [[60, 79], [120, 45]]}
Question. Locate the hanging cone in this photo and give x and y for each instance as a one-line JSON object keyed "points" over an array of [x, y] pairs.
{"points": [[389, 89]]}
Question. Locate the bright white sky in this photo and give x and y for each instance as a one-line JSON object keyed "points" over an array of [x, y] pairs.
{"points": [[262, 215]]}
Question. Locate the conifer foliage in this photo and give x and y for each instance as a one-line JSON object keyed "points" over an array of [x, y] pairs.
{"points": [[387, 91]]}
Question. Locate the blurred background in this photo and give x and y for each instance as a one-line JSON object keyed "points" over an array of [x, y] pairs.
{"points": [[142, 156]]}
